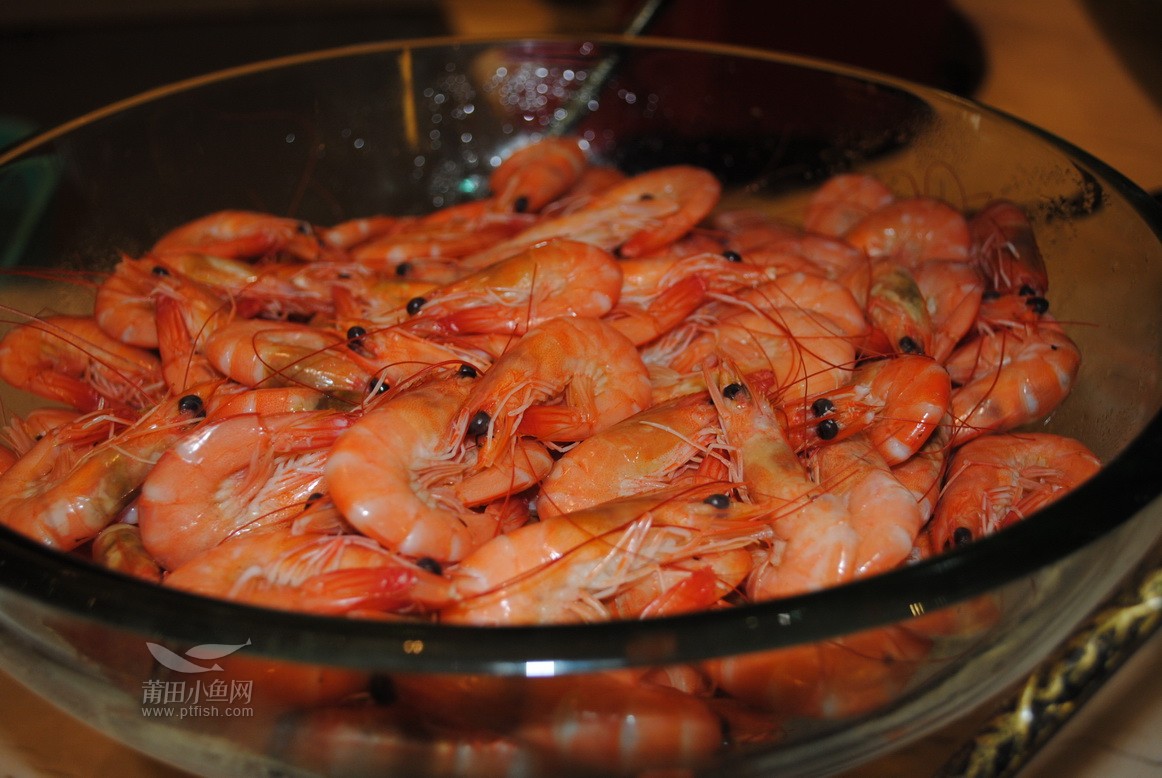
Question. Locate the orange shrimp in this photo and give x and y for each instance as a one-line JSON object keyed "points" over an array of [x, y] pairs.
{"points": [[404, 495], [445, 237], [692, 192], [350, 233], [593, 370], [71, 360], [645, 452], [123, 307], [1005, 250], [535, 175], [898, 312], [842, 201], [231, 476], [560, 569], [912, 231], [256, 353], [556, 278], [897, 402], [996, 480], [952, 291], [593, 180], [118, 547], [77, 479], [312, 573], [398, 356], [1011, 376], [684, 586], [242, 234], [230, 399]]}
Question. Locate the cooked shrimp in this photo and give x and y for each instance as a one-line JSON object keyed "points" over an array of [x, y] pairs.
{"points": [[1005, 250], [692, 191], [996, 480], [235, 475], [593, 370], [256, 353], [535, 175], [643, 453], [71, 360], [1015, 375], [118, 547], [404, 494], [952, 291], [842, 201], [313, 573], [350, 233], [561, 568], [556, 278], [693, 584], [897, 402], [912, 231], [77, 479], [242, 234], [898, 312]]}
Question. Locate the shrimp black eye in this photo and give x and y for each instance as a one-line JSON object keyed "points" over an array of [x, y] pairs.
{"points": [[646, 196], [732, 256], [466, 371], [304, 228], [1026, 291], [718, 501], [356, 333], [908, 345], [520, 204], [730, 391], [415, 304], [1037, 304], [479, 424], [429, 564], [403, 268], [158, 270], [192, 404], [822, 407], [827, 429], [312, 498], [961, 536], [377, 386], [991, 294]]}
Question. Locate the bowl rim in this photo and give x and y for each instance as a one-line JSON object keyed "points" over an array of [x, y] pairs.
{"points": [[1120, 490]]}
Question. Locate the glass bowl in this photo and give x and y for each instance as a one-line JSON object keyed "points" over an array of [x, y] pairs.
{"points": [[824, 681]]}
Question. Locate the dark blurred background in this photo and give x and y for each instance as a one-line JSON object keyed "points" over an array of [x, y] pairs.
{"points": [[62, 58]]}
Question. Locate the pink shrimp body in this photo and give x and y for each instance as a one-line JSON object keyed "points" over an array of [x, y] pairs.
{"points": [[842, 201], [556, 278], [533, 176], [313, 573], [255, 352], [1005, 250], [912, 231], [952, 291], [897, 402], [76, 480], [70, 359], [393, 474], [898, 312], [241, 234], [118, 547], [230, 476], [642, 453], [692, 191], [996, 480], [592, 368]]}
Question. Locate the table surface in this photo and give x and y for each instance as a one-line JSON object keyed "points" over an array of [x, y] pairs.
{"points": [[1062, 64]]}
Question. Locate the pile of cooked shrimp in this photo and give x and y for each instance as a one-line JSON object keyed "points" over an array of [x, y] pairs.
{"points": [[587, 396]]}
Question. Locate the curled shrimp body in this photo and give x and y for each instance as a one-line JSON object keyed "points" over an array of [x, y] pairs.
{"points": [[77, 479], [898, 312], [556, 278], [912, 231], [233, 475], [897, 402], [593, 370], [1011, 376], [842, 201], [118, 547], [408, 493], [255, 353], [996, 480], [691, 192], [70, 359], [952, 291], [533, 176], [642, 453], [1005, 250], [311, 572], [242, 234]]}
